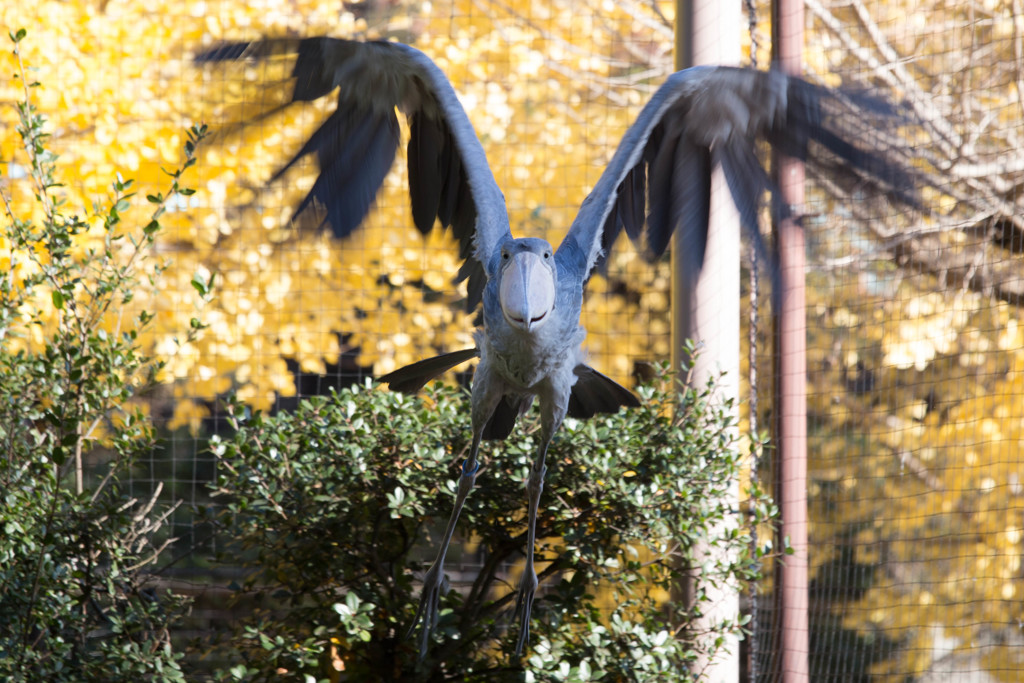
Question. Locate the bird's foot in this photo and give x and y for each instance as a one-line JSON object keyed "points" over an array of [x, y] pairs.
{"points": [[433, 584], [524, 605]]}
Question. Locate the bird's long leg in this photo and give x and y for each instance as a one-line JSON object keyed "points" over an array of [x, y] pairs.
{"points": [[528, 583], [434, 578], [552, 408], [483, 406]]}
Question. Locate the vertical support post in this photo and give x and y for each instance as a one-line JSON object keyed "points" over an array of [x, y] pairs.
{"points": [[790, 374], [705, 305]]}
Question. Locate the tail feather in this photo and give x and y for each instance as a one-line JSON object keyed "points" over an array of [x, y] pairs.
{"points": [[504, 417]]}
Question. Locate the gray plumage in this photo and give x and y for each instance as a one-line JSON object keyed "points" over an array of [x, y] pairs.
{"points": [[657, 182]]}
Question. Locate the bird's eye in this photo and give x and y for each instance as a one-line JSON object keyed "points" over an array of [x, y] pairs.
{"points": [[547, 254], [504, 256]]}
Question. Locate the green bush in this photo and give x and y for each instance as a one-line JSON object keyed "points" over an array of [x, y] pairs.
{"points": [[77, 601], [336, 509]]}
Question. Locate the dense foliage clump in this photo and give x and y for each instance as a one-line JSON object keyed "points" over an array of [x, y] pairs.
{"points": [[336, 510]]}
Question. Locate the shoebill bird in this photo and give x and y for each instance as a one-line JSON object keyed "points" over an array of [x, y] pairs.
{"points": [[658, 181]]}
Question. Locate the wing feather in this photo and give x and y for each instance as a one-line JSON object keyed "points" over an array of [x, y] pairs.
{"points": [[425, 157], [632, 202], [691, 204], [451, 169], [703, 117], [411, 378], [596, 393], [350, 174], [661, 221], [449, 178]]}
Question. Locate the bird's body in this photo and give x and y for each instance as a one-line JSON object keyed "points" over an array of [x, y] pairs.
{"points": [[530, 344], [528, 364]]}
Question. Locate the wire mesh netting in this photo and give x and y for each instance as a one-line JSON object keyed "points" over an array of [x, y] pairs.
{"points": [[915, 352]]}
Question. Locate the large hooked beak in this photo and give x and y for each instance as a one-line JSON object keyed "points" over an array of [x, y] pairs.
{"points": [[527, 291]]}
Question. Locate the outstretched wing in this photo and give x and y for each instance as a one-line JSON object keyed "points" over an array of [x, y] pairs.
{"points": [[659, 179], [449, 178]]}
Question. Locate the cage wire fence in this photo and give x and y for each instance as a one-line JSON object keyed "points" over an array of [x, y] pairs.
{"points": [[914, 360], [915, 351]]}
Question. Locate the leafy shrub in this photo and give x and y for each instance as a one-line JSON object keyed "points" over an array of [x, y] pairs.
{"points": [[336, 509], [76, 600]]}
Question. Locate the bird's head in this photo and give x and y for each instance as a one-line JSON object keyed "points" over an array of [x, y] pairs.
{"points": [[527, 282]]}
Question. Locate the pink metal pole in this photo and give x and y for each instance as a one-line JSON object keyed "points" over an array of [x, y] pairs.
{"points": [[791, 374]]}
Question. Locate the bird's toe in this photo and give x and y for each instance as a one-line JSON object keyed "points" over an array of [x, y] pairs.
{"points": [[524, 606], [433, 583]]}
